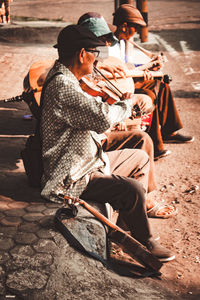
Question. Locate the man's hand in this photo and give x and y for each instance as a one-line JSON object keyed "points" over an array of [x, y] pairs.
{"points": [[113, 70], [121, 126], [147, 75], [144, 102], [159, 63]]}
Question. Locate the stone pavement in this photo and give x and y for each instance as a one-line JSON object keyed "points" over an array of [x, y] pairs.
{"points": [[29, 245], [26, 246]]}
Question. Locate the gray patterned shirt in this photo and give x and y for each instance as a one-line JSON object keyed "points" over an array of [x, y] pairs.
{"points": [[70, 126]]}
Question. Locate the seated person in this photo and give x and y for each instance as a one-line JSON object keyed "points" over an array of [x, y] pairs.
{"points": [[132, 138], [165, 120], [73, 159]]}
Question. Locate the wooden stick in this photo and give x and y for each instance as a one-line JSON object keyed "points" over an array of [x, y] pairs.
{"points": [[118, 235], [148, 53]]}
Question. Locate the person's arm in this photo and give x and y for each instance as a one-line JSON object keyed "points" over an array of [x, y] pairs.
{"points": [[85, 112]]}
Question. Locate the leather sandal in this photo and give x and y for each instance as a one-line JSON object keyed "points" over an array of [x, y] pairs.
{"points": [[154, 211]]}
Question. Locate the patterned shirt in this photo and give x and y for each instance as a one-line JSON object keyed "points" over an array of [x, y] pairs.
{"points": [[70, 126]]}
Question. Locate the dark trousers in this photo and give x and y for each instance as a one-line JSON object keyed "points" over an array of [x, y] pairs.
{"points": [[165, 119], [123, 191], [133, 139]]}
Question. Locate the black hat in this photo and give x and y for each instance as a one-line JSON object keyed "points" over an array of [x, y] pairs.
{"points": [[74, 37]]}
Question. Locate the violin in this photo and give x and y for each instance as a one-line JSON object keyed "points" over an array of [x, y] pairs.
{"points": [[95, 88], [109, 93], [104, 88]]}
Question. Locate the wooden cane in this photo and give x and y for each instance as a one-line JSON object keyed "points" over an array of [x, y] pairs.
{"points": [[130, 245]]}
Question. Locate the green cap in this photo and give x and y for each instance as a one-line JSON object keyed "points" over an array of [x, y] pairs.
{"points": [[97, 24]]}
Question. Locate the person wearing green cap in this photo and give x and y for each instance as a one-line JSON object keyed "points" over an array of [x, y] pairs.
{"points": [[97, 24], [166, 121], [73, 160]]}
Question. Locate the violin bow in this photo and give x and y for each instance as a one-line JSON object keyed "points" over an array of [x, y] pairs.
{"points": [[118, 91]]}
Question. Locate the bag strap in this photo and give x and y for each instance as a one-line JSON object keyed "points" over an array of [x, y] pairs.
{"points": [[37, 129], [45, 86]]}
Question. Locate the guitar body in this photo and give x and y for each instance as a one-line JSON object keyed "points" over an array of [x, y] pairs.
{"points": [[123, 84], [36, 77]]}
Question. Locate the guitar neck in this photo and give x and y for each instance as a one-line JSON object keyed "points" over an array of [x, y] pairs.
{"points": [[25, 96], [136, 73], [14, 99]]}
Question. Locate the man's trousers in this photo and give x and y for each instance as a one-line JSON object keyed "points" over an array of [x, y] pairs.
{"points": [[134, 139], [165, 119], [124, 189]]}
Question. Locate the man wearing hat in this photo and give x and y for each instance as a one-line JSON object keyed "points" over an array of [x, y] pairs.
{"points": [[165, 121], [74, 162]]}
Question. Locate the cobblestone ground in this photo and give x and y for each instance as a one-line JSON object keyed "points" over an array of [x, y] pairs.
{"points": [[27, 247]]}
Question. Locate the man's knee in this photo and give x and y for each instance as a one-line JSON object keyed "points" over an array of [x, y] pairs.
{"points": [[136, 157], [141, 172], [148, 145], [143, 136], [132, 194]]}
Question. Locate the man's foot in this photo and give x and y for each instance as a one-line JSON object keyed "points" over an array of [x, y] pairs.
{"points": [[162, 253], [160, 210], [161, 153], [178, 138]]}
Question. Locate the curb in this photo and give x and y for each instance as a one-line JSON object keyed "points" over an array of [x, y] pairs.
{"points": [[43, 32], [46, 32]]}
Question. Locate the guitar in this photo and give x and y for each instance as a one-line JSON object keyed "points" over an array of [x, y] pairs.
{"points": [[36, 77], [131, 70]]}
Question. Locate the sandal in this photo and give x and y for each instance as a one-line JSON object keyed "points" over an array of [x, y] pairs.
{"points": [[154, 211]]}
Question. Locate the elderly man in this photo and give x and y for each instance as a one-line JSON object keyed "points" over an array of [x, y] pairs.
{"points": [[165, 121], [73, 159]]}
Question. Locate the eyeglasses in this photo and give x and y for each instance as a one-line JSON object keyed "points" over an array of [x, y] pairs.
{"points": [[95, 52]]}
